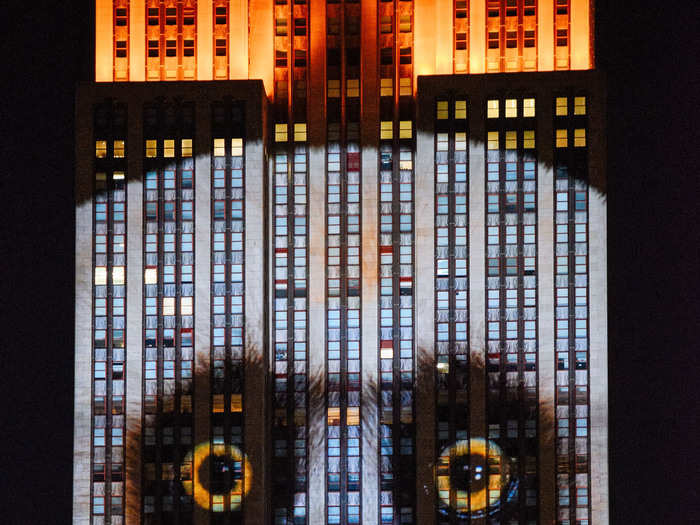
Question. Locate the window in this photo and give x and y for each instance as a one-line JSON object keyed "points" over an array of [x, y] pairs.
{"points": [[561, 106], [280, 132], [492, 109], [386, 130], [562, 140], [299, 132], [492, 140]]}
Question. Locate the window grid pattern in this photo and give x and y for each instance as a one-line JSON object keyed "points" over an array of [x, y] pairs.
{"points": [[171, 39], [571, 311], [461, 36], [451, 300], [396, 268], [511, 284], [343, 267], [290, 329], [109, 297], [120, 16], [168, 313], [511, 35], [227, 315], [221, 39], [562, 12], [291, 60]]}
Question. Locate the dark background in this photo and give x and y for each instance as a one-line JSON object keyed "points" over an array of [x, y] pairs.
{"points": [[646, 49]]}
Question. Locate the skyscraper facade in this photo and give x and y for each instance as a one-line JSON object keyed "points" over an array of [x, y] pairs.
{"points": [[341, 262]]}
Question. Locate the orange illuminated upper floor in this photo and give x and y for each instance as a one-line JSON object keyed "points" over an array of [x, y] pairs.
{"points": [[151, 40]]}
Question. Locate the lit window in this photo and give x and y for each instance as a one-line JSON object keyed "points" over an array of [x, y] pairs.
{"points": [[492, 109], [299, 132], [386, 131], [460, 141], [186, 147], [405, 129], [511, 139], [405, 23], [150, 276], [405, 88], [236, 147], [492, 140], [118, 275], [511, 108], [100, 275], [353, 416], [528, 107], [579, 105], [168, 306], [151, 148], [186, 306], [386, 87], [118, 149], [442, 110], [460, 109], [353, 88], [333, 88], [280, 133], [562, 140], [100, 149], [168, 148], [219, 148], [529, 139], [562, 106], [579, 138], [442, 142]]}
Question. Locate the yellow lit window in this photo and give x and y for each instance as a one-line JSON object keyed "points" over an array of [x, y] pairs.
{"points": [[186, 147], [118, 175], [100, 149], [217, 403], [385, 24], [100, 275], [562, 138], [217, 502], [118, 275], [442, 143], [299, 132], [168, 306], [461, 141], [386, 131], [492, 140], [118, 149], [405, 129], [168, 148], [386, 353], [579, 138], [492, 109], [442, 110], [511, 108], [100, 181], [386, 87], [405, 88], [406, 162], [219, 148], [353, 88], [529, 139], [528, 107], [511, 139], [562, 106], [460, 109], [334, 416], [151, 148], [150, 276], [237, 147], [333, 88], [579, 105], [186, 306], [405, 23], [280, 133], [236, 403], [186, 404], [353, 416]]}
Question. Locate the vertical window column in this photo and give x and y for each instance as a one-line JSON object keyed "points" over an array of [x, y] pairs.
{"points": [[461, 36], [451, 300], [562, 11], [109, 297], [121, 39], [512, 300], [572, 312]]}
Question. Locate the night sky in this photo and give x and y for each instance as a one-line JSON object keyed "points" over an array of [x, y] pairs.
{"points": [[653, 244]]}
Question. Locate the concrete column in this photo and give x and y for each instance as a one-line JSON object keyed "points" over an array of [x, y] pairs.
{"points": [[202, 288], [477, 36], [137, 41], [238, 39], [425, 307], [255, 397], [598, 309], [260, 43], [370, 266], [205, 41], [545, 303], [104, 36], [545, 35], [134, 314], [580, 27], [317, 265], [82, 445], [477, 267]]}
